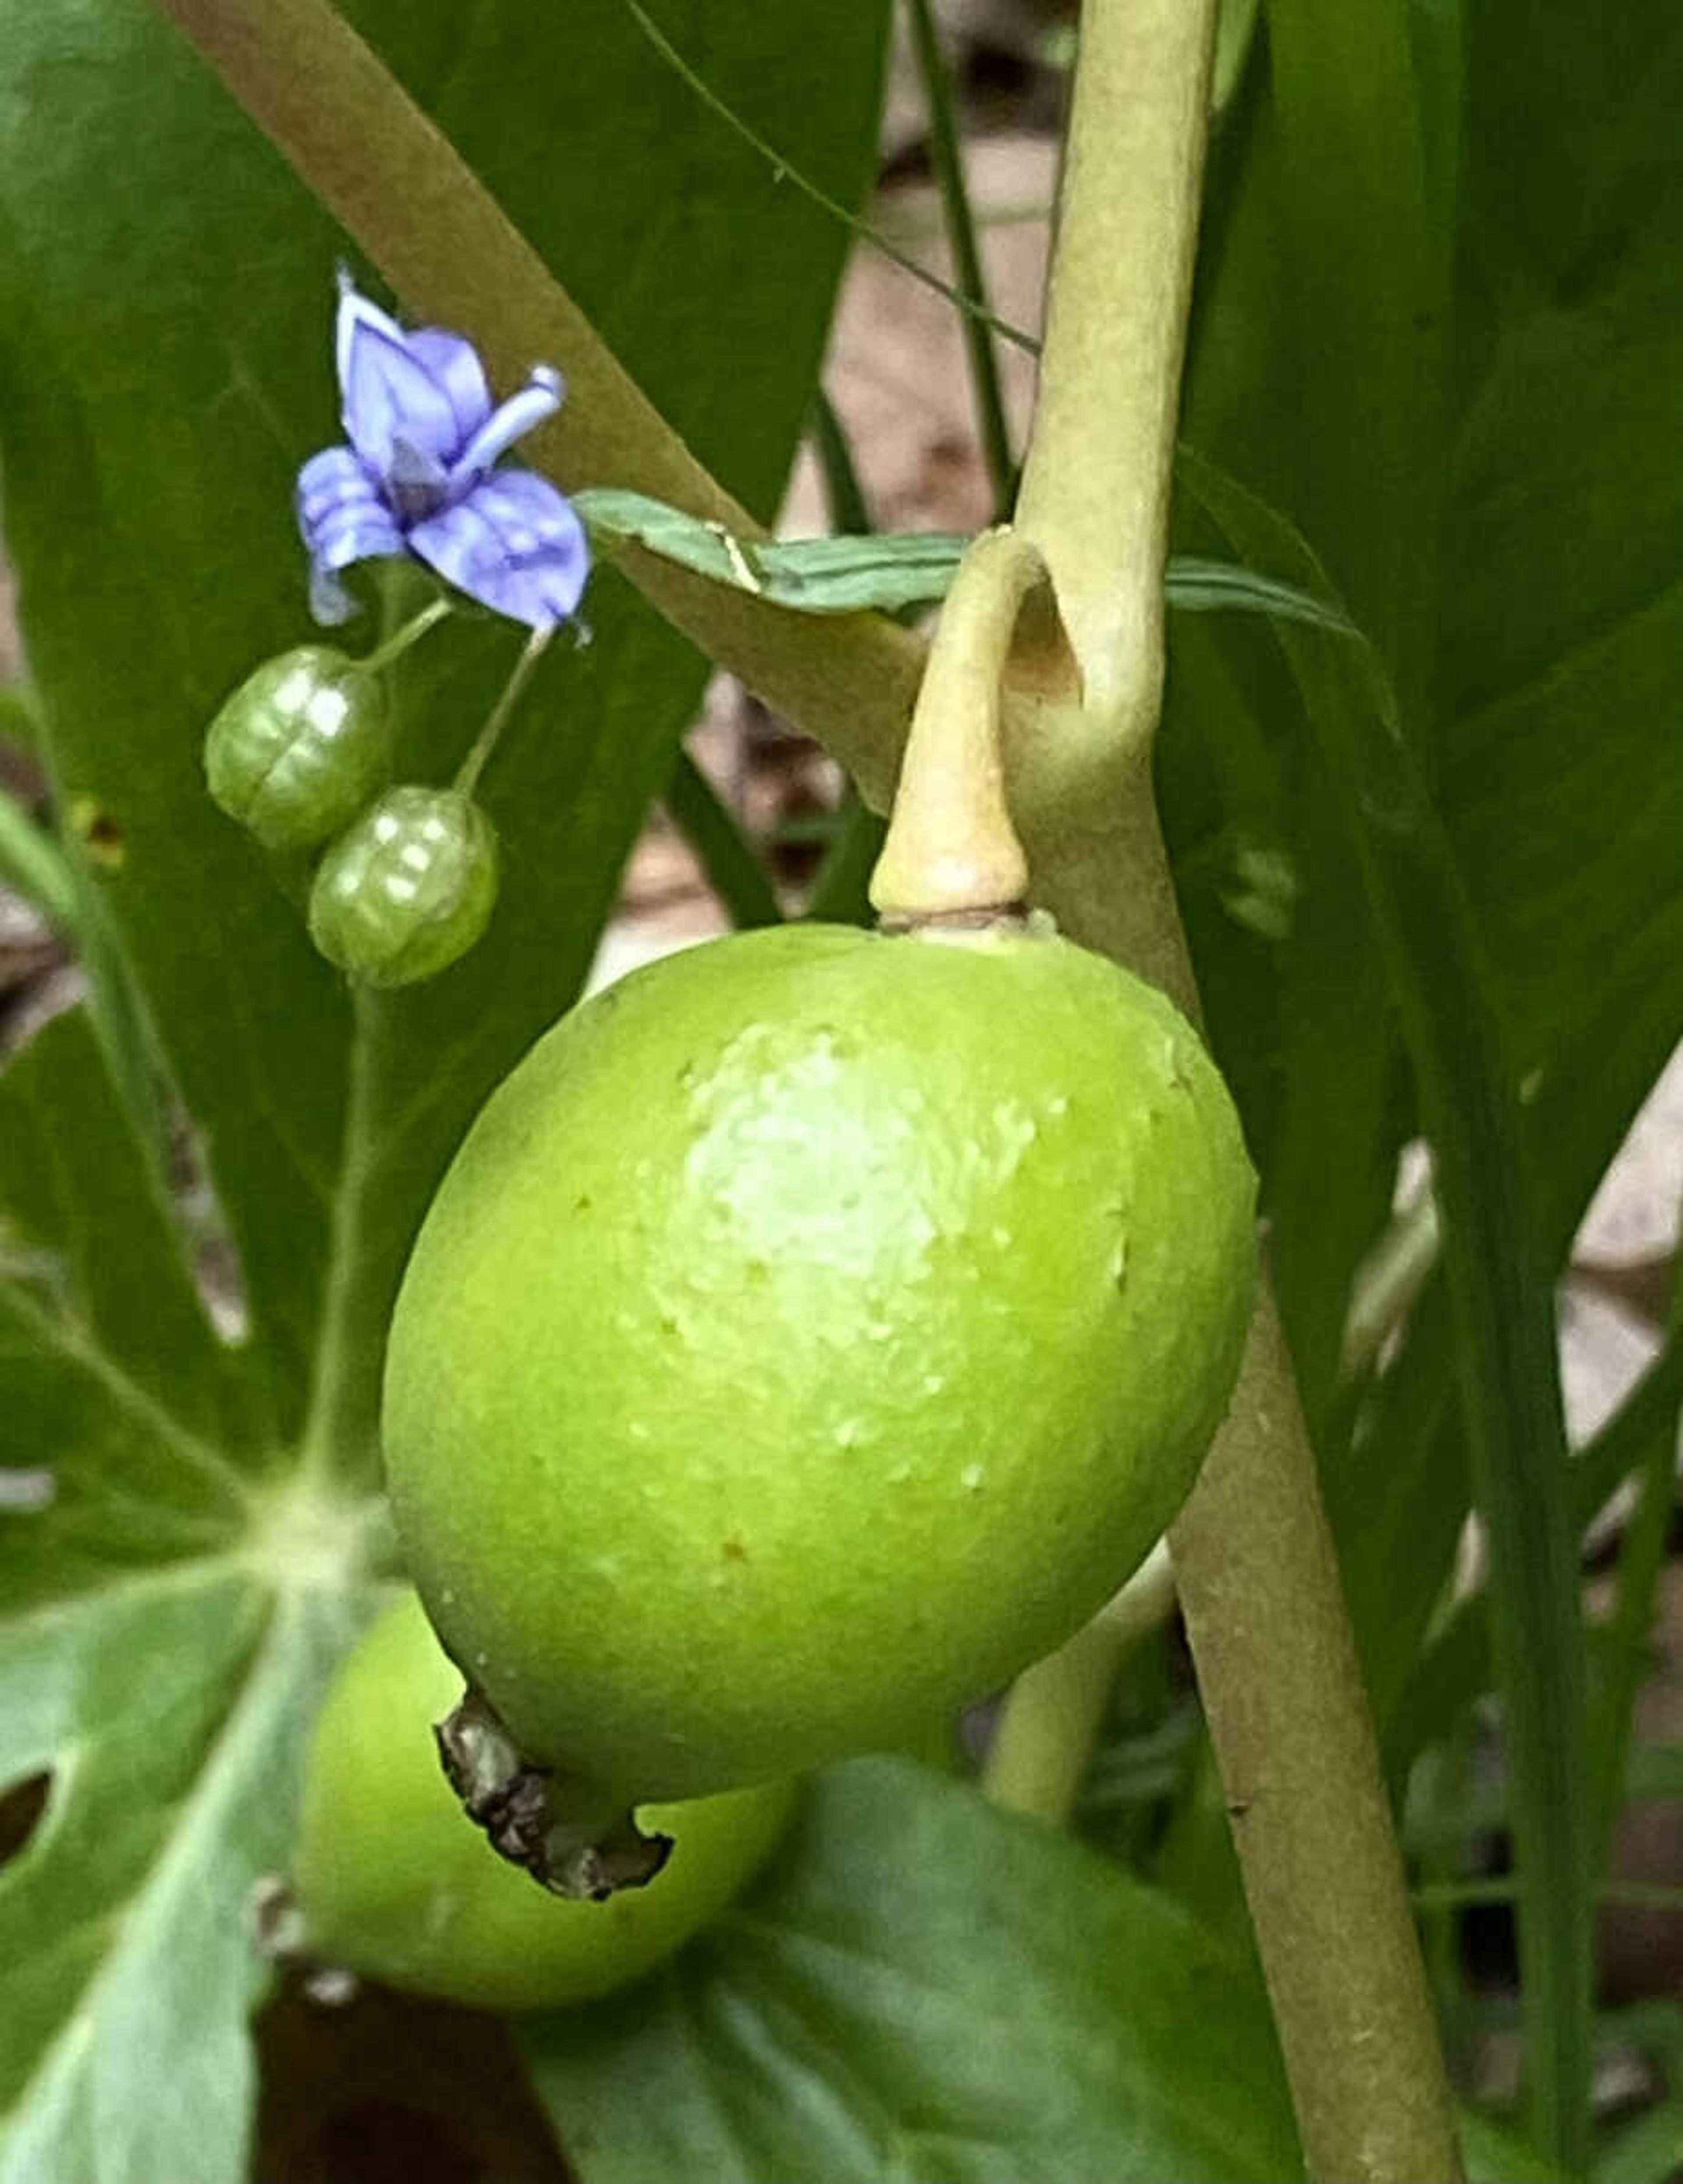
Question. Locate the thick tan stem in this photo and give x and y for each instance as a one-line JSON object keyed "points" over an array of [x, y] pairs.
{"points": [[1276, 1664], [952, 850]]}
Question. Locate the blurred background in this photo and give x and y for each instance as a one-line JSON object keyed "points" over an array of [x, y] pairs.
{"points": [[340, 2100]]}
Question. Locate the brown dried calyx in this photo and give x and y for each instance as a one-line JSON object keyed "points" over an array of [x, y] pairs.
{"points": [[577, 1841]]}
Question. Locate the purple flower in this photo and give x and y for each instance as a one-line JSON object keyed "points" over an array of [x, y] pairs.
{"points": [[418, 476]]}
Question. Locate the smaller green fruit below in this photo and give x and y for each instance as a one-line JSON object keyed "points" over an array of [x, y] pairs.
{"points": [[408, 889], [301, 747], [394, 1881]]}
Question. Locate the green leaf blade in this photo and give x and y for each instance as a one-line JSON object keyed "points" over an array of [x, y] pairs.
{"points": [[1499, 1281], [928, 1989]]}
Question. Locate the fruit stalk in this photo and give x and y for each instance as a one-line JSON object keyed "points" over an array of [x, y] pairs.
{"points": [[1038, 1756], [1256, 1568], [952, 851]]}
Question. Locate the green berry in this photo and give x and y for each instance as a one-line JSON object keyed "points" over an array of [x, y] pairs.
{"points": [[407, 889], [392, 1880], [812, 1330], [300, 747]]}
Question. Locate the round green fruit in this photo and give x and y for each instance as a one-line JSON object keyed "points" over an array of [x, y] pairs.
{"points": [[408, 889], [300, 747], [815, 1328], [392, 1879]]}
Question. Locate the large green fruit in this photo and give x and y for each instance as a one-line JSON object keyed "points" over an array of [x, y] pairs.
{"points": [[394, 1880], [812, 1330]]}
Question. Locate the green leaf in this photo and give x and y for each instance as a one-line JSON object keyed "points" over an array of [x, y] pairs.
{"points": [[724, 852], [179, 374], [102, 1320], [32, 863], [1562, 766], [125, 2053], [162, 1642], [928, 1989], [1497, 2155], [1456, 1667], [891, 571], [1496, 1275], [190, 1541]]}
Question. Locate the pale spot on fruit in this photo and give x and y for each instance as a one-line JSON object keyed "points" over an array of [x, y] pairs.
{"points": [[971, 1477], [935, 1383]]}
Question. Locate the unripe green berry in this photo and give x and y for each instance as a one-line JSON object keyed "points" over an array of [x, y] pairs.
{"points": [[812, 1331], [300, 747], [392, 1880], [407, 889]]}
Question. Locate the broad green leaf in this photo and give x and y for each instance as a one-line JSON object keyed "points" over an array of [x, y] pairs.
{"points": [[168, 1613], [106, 1356], [1498, 1279], [178, 367], [1562, 757], [192, 1544], [124, 1920], [928, 1989]]}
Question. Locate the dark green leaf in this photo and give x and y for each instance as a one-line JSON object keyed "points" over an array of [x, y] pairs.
{"points": [[166, 343], [928, 1989], [32, 863], [724, 852], [1503, 1300], [894, 570], [183, 1559]]}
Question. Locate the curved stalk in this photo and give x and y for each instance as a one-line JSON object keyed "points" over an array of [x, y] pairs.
{"points": [[1253, 1558], [1052, 1717], [952, 850]]}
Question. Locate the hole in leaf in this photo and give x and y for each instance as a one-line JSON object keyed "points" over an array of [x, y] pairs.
{"points": [[21, 1809], [27, 1488], [100, 834], [210, 1242], [339, 2096]]}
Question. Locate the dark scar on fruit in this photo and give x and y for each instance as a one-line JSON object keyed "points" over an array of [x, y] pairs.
{"points": [[575, 1846]]}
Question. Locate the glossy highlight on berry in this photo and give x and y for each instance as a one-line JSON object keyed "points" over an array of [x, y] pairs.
{"points": [[408, 889], [300, 747]]}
